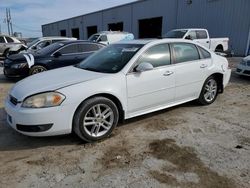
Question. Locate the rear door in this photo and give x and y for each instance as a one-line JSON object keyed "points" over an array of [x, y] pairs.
{"points": [[190, 69], [85, 50]]}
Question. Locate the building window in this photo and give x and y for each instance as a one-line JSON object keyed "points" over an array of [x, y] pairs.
{"points": [[91, 30], [75, 33], [115, 26], [63, 33], [150, 28]]}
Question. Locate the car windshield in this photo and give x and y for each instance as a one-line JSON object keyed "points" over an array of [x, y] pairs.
{"points": [[110, 59], [94, 38], [32, 43], [49, 49], [178, 34]]}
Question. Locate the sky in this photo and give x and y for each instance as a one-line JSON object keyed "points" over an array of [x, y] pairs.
{"points": [[29, 15]]}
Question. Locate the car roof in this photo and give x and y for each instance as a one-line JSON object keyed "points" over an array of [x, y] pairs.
{"points": [[78, 41], [146, 41], [55, 37]]}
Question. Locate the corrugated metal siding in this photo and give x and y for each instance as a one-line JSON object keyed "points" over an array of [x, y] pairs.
{"points": [[223, 18]]}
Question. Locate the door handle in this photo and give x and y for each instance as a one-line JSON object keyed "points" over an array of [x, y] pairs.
{"points": [[207, 41], [168, 73], [203, 66]]}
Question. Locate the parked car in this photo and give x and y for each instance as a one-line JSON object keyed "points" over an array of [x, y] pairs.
{"points": [[243, 69], [54, 56], [6, 42], [37, 44], [121, 81], [201, 36], [110, 37]]}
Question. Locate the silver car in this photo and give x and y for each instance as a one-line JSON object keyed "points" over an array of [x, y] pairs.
{"points": [[7, 42]]}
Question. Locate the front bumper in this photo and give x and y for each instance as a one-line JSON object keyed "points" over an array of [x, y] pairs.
{"points": [[39, 122], [11, 72], [243, 70], [227, 77]]}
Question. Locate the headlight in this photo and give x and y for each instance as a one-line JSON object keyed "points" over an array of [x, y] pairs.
{"points": [[243, 62], [44, 100], [19, 65]]}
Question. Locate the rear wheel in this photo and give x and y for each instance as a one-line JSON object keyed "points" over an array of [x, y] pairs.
{"points": [[37, 69], [209, 91], [95, 119]]}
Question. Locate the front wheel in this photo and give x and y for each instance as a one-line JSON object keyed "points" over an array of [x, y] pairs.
{"points": [[209, 91], [95, 119], [37, 69]]}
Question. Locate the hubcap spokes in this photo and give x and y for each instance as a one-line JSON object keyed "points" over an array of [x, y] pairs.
{"points": [[210, 90], [38, 70], [98, 120]]}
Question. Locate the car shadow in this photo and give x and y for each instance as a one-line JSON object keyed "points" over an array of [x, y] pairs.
{"points": [[11, 140]]}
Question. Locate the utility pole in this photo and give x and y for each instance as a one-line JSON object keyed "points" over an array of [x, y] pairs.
{"points": [[11, 29], [8, 21]]}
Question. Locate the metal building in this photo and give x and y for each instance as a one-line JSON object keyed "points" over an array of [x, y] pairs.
{"points": [[152, 18]]}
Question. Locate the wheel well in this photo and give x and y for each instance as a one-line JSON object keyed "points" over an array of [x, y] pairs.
{"points": [[6, 50], [219, 48], [219, 78], [39, 64], [113, 99]]}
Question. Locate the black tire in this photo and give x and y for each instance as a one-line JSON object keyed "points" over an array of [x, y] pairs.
{"points": [[82, 112], [202, 98], [37, 69]]}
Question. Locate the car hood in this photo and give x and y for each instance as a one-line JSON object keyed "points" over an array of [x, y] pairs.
{"points": [[20, 57], [51, 81]]}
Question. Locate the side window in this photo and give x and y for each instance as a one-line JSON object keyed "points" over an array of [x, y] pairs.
{"points": [[73, 48], [104, 38], [158, 55], [201, 34], [43, 44], [9, 40], [54, 41], [204, 53], [87, 47], [185, 52], [2, 40], [192, 34]]}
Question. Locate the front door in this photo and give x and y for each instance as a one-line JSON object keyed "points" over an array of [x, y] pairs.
{"points": [[154, 88]]}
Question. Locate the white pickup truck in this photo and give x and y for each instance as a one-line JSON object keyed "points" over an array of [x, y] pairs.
{"points": [[201, 36]]}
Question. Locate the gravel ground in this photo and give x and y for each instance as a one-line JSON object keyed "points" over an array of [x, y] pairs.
{"points": [[185, 146]]}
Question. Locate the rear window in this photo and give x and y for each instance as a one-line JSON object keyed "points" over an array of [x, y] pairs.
{"points": [[185, 52], [201, 34], [204, 53]]}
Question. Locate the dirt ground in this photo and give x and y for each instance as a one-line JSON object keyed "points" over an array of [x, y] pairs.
{"points": [[185, 146]]}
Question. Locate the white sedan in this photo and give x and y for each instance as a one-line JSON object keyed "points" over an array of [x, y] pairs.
{"points": [[121, 81], [243, 69]]}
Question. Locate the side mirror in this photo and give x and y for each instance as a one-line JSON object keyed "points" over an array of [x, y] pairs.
{"points": [[144, 67], [57, 54], [34, 48], [188, 37]]}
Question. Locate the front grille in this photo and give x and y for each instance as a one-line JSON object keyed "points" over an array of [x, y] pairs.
{"points": [[246, 72], [13, 100]]}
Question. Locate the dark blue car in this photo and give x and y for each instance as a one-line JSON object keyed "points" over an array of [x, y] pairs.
{"points": [[57, 55]]}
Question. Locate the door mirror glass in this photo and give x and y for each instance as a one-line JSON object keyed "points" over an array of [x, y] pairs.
{"points": [[145, 66], [57, 54]]}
